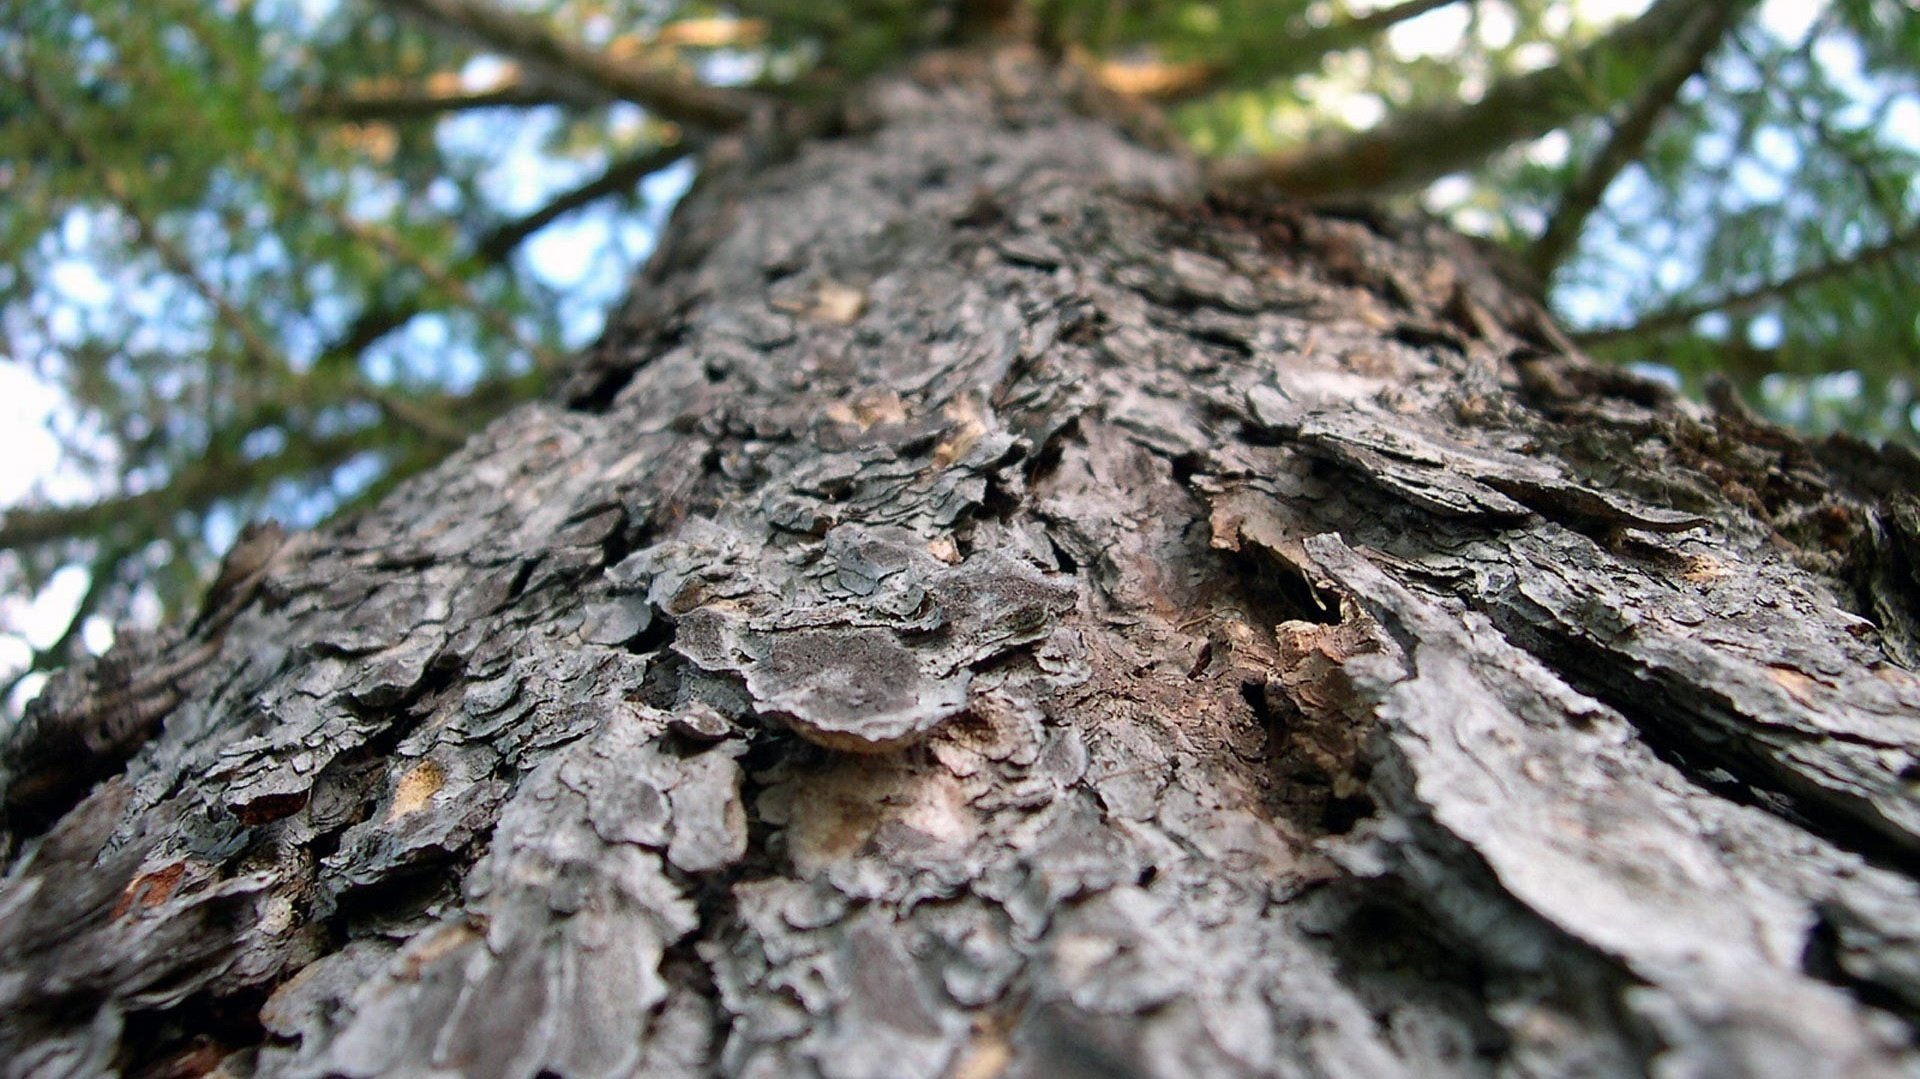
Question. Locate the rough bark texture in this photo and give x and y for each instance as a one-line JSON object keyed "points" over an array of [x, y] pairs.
{"points": [[988, 610]]}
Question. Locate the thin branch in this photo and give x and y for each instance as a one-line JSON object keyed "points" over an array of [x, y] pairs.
{"points": [[1883, 195], [531, 42], [400, 409], [196, 486], [620, 175], [495, 245], [1417, 146], [1254, 61], [252, 344], [449, 281], [387, 99], [100, 579], [1684, 58], [261, 355], [212, 477], [1747, 363], [412, 103], [1679, 316]]}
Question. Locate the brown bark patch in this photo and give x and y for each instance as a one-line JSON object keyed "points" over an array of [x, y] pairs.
{"points": [[150, 889], [416, 789]]}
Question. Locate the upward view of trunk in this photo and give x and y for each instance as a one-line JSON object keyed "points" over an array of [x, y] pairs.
{"points": [[987, 609]]}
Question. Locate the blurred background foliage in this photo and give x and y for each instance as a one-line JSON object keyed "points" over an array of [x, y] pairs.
{"points": [[269, 257]]}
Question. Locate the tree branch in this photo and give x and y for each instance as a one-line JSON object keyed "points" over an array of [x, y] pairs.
{"points": [[212, 477], [1684, 57], [252, 343], [1676, 317], [265, 359], [529, 41], [1253, 61], [100, 579], [1416, 146], [1883, 195], [450, 281], [619, 175], [1746, 363], [495, 245], [387, 99], [194, 487], [412, 103]]}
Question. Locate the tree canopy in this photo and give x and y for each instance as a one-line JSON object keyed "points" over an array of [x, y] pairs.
{"points": [[274, 256]]}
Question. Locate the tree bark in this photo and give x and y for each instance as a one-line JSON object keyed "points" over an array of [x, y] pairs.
{"points": [[987, 609]]}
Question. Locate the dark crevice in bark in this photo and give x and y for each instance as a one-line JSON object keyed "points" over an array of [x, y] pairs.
{"points": [[1822, 959], [1277, 591], [1341, 815], [1685, 725], [1311, 788], [1882, 571], [193, 1039], [1063, 559], [90, 721], [1439, 936], [1387, 949], [34, 806], [1235, 344], [1002, 501], [402, 896], [1429, 334], [594, 391], [665, 676], [1042, 462], [654, 641], [523, 573]]}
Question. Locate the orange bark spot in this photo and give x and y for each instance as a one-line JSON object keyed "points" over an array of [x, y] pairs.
{"points": [[1154, 78], [416, 789], [150, 889], [967, 429], [1703, 568], [1797, 685], [987, 1053], [869, 410], [437, 945], [944, 549], [838, 304]]}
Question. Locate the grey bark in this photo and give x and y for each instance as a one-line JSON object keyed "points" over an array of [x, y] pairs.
{"points": [[987, 609]]}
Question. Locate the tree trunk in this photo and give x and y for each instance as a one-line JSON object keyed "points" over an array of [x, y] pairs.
{"points": [[986, 609]]}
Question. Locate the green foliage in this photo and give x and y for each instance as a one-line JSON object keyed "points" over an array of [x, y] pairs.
{"points": [[1793, 159], [276, 255]]}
